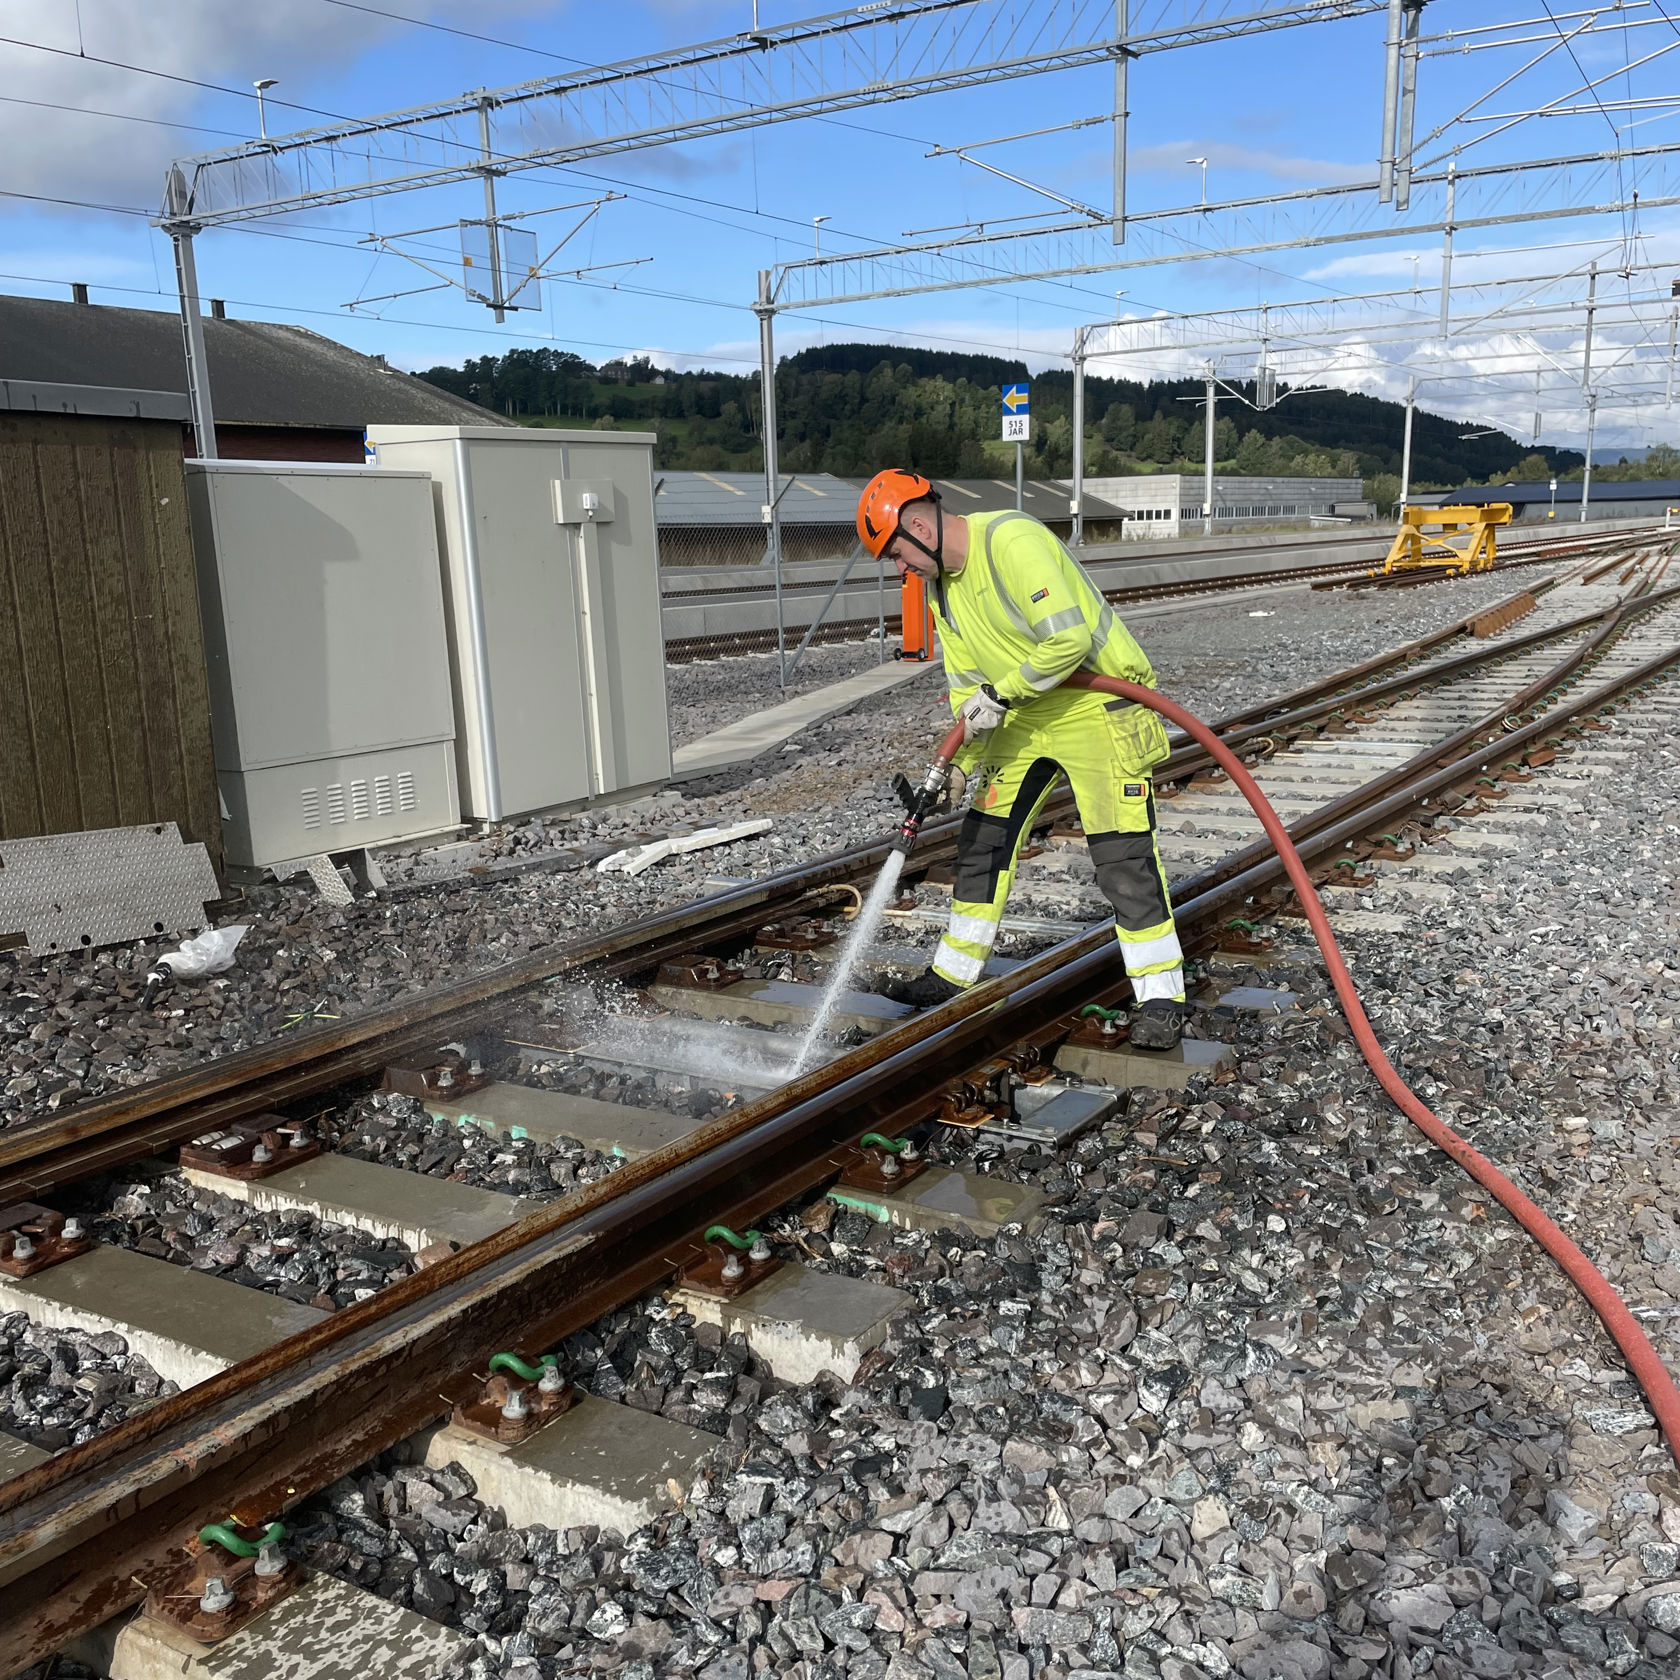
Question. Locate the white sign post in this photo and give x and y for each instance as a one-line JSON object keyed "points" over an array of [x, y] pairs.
{"points": [[1017, 429]]}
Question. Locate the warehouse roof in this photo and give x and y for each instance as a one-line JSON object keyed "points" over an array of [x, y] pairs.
{"points": [[261, 373], [737, 498], [1568, 490], [1039, 497]]}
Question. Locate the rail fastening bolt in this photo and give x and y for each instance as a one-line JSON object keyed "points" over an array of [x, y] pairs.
{"points": [[552, 1381], [760, 1250], [72, 1231], [262, 1154], [732, 1267], [270, 1561], [515, 1408], [23, 1248], [217, 1596]]}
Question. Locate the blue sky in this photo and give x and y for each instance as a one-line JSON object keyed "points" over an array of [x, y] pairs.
{"points": [[87, 123]]}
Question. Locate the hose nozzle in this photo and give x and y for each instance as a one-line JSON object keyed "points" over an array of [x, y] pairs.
{"points": [[920, 802]]}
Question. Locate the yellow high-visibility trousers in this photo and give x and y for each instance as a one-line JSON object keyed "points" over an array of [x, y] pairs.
{"points": [[1105, 749]]}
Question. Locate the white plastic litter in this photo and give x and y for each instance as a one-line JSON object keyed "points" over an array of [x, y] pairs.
{"points": [[206, 953], [634, 859]]}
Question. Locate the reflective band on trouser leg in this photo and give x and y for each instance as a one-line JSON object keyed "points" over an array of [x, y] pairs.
{"points": [[1154, 962], [952, 963], [1152, 951], [1169, 985], [968, 942]]}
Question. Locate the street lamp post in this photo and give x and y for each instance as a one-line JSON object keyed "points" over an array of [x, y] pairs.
{"points": [[1203, 162], [816, 230], [262, 86]]}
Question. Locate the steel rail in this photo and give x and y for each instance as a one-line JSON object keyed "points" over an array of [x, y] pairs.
{"points": [[686, 650], [1301, 718], [1333, 813], [83, 1528], [40, 1157]]}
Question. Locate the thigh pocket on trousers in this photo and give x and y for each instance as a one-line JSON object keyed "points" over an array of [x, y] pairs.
{"points": [[1140, 738]]}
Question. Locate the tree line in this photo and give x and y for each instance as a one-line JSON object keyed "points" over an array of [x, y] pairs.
{"points": [[851, 409]]}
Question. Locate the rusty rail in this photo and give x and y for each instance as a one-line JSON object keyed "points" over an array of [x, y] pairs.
{"points": [[81, 1528], [37, 1158]]}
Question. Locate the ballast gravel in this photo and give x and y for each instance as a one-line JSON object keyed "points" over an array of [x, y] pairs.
{"points": [[59, 1388], [295, 1255], [78, 1026], [1275, 1390]]}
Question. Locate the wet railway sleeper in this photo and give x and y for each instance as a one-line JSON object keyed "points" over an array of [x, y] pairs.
{"points": [[105, 1133], [585, 1252]]}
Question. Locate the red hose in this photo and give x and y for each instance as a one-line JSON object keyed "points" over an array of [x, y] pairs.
{"points": [[1643, 1360]]}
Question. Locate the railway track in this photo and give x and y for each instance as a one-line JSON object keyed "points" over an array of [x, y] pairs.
{"points": [[1335, 574], [1364, 766]]}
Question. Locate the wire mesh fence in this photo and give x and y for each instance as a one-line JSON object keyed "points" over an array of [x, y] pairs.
{"points": [[698, 549]]}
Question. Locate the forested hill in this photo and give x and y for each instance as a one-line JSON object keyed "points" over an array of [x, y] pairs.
{"points": [[853, 408]]}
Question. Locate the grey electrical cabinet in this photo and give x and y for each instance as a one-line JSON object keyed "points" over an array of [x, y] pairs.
{"points": [[330, 705], [551, 569]]}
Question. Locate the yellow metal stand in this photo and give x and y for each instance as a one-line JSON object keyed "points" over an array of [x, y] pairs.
{"points": [[1465, 541]]}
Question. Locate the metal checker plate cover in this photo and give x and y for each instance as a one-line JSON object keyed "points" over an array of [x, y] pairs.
{"points": [[69, 892]]}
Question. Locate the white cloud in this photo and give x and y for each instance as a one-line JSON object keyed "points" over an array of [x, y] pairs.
{"points": [[1170, 157], [1381, 265], [70, 153]]}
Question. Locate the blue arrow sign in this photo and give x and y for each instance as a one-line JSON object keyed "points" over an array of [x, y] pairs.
{"points": [[1016, 400]]}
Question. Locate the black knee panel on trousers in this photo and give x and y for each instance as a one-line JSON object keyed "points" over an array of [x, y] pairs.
{"points": [[1130, 878], [984, 847], [986, 842]]}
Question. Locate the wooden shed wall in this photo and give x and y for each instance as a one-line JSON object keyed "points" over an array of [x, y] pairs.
{"points": [[104, 703]]}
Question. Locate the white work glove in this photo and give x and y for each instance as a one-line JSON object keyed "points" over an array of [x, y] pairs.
{"points": [[982, 711], [956, 789]]}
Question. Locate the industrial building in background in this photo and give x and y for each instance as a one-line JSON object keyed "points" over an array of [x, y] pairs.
{"points": [[1171, 504], [1539, 500], [716, 519]]}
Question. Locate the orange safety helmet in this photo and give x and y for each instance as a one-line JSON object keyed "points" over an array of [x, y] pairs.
{"points": [[883, 502]]}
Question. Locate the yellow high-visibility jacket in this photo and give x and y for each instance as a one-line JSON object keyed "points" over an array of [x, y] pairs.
{"points": [[1022, 615]]}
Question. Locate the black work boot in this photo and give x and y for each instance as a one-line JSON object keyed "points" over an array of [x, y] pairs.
{"points": [[927, 991], [1158, 1024]]}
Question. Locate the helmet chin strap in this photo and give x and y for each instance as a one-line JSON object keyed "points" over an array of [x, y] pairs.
{"points": [[937, 553]]}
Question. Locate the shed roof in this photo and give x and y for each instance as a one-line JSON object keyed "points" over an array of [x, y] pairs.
{"points": [[261, 372]]}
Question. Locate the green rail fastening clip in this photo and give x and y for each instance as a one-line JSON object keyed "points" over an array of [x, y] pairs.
{"points": [[223, 1535]]}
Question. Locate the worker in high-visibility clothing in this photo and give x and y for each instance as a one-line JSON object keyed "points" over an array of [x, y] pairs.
{"points": [[1016, 615]]}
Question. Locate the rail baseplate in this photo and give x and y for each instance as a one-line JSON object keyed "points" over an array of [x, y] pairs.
{"points": [[1464, 542]]}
